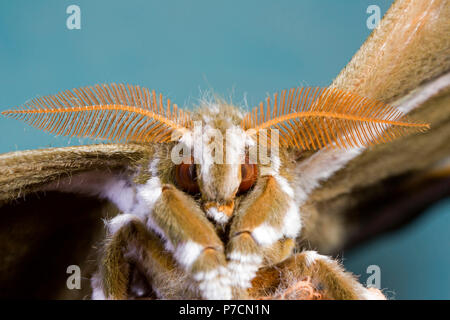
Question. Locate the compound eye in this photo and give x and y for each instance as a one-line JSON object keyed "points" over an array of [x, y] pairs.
{"points": [[186, 178], [249, 173]]}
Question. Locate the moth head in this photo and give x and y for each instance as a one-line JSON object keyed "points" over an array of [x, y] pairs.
{"points": [[213, 148], [217, 168]]}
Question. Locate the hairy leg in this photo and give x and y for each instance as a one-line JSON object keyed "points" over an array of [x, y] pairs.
{"points": [[263, 230], [309, 275], [193, 241], [134, 243]]}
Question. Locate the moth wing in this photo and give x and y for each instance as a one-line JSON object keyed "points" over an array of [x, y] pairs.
{"points": [[405, 63], [24, 172], [45, 231]]}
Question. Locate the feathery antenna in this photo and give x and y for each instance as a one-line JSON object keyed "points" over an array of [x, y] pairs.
{"points": [[108, 111], [314, 118], [307, 118]]}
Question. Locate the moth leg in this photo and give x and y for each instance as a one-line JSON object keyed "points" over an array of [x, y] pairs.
{"points": [[309, 275], [269, 219], [133, 243], [193, 241], [112, 280]]}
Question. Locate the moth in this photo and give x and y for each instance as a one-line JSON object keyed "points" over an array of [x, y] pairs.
{"points": [[199, 215]]}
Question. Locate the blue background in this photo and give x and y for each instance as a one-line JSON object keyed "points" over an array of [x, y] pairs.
{"points": [[239, 49]]}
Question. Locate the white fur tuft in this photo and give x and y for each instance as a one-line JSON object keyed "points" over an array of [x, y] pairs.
{"points": [[245, 258], [285, 186], [217, 215], [292, 223], [241, 274], [150, 192], [312, 256], [97, 290], [187, 252], [266, 235], [215, 289], [118, 221]]}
